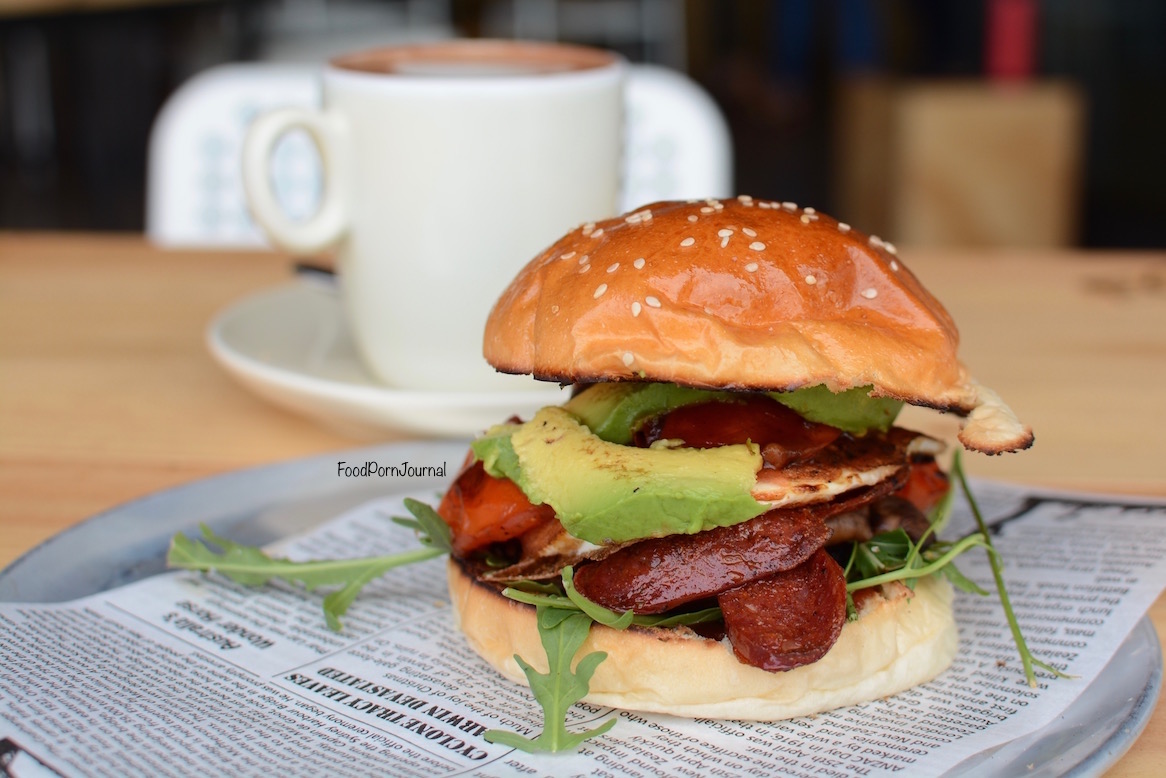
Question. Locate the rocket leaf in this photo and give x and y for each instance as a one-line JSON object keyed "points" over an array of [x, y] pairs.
{"points": [[562, 633], [548, 595], [251, 566]]}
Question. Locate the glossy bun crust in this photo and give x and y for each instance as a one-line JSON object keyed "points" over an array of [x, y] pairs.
{"points": [[739, 294], [900, 639]]}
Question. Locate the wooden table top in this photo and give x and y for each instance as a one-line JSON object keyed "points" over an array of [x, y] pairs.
{"points": [[107, 391]]}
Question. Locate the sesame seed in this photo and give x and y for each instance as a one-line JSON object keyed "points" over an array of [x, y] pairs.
{"points": [[636, 308], [597, 233], [870, 293], [632, 218], [638, 264], [811, 280], [653, 302], [599, 290], [894, 265], [554, 309], [890, 247], [727, 232], [764, 204], [725, 242], [585, 268], [588, 227], [583, 259], [628, 358], [692, 218], [688, 242], [805, 219], [745, 198], [707, 209], [757, 245], [875, 240], [568, 255], [751, 267], [789, 206], [843, 227], [647, 215], [613, 268], [749, 232]]}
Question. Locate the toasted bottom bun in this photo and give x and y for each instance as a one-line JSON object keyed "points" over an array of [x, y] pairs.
{"points": [[901, 639]]}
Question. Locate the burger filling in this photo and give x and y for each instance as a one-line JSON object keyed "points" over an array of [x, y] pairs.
{"points": [[752, 510]]}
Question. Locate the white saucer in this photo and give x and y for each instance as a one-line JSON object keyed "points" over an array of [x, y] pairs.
{"points": [[291, 346]]}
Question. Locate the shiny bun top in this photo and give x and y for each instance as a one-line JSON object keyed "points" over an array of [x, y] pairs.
{"points": [[739, 294]]}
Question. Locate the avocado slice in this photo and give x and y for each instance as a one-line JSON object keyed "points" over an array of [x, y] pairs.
{"points": [[576, 458], [605, 492], [496, 453], [614, 411], [853, 410]]}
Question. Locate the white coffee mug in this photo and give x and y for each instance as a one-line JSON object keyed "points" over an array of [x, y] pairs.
{"points": [[446, 167]]}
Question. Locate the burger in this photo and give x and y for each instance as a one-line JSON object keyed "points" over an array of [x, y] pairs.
{"points": [[727, 474]]}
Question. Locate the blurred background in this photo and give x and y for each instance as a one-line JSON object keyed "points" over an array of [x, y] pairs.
{"points": [[967, 122]]}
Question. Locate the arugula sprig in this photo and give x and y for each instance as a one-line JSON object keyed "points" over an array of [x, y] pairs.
{"points": [[995, 562], [893, 556], [251, 566], [562, 633], [562, 630], [548, 595]]}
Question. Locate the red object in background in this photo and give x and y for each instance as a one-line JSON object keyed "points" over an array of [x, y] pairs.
{"points": [[1010, 39]]}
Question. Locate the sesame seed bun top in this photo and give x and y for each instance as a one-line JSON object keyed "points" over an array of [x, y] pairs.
{"points": [[739, 294]]}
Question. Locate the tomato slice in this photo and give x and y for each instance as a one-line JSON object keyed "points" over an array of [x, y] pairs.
{"points": [[481, 509], [781, 432], [926, 484]]}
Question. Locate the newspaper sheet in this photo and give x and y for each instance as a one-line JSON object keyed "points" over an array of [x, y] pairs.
{"points": [[190, 674]]}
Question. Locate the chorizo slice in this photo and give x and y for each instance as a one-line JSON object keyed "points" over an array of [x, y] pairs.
{"points": [[656, 575], [659, 574], [789, 619]]}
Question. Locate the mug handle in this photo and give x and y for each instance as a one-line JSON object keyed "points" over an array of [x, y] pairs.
{"points": [[330, 221]]}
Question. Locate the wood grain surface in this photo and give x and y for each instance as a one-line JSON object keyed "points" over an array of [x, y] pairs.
{"points": [[107, 391]]}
